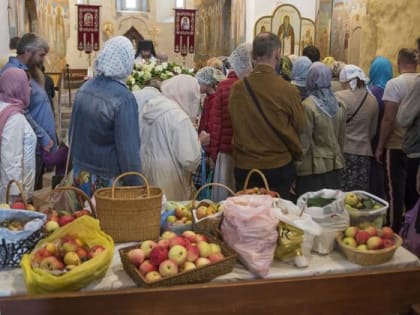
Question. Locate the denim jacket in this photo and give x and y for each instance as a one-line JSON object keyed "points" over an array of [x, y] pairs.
{"points": [[104, 131]]}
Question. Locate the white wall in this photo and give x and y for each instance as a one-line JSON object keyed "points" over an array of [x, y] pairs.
{"points": [[255, 9], [4, 26]]}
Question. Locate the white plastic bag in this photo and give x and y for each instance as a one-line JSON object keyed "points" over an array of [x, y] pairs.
{"points": [[287, 212], [332, 218], [250, 228]]}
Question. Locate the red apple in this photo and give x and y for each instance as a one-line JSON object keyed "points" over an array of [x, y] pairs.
{"points": [[65, 219], [40, 254], [351, 231], [192, 253], [158, 254], [51, 263], [387, 232], [18, 205], [388, 243], [202, 261], [80, 213], [153, 276], [190, 235], [177, 240], [146, 267], [163, 243], [201, 237], [362, 237], [147, 247], [168, 268], [82, 253], [375, 242], [371, 230], [178, 254], [216, 257], [95, 251], [136, 256]]}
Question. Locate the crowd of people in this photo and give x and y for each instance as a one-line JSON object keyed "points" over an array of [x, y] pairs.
{"points": [[306, 124]]}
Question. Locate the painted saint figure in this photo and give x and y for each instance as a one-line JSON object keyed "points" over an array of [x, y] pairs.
{"points": [[287, 37]]}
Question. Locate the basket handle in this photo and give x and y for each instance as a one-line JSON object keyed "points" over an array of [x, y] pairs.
{"points": [[207, 185], [145, 181], [80, 193], [259, 173], [20, 187]]}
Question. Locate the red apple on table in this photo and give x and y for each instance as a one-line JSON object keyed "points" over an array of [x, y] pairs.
{"points": [[136, 256], [178, 254], [192, 252], [362, 237], [387, 232], [350, 242], [51, 263], [168, 268], [158, 254], [146, 267], [177, 240], [202, 261], [147, 247], [153, 276], [375, 242], [371, 230], [95, 251]]}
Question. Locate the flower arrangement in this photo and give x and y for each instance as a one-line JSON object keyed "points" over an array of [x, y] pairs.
{"points": [[144, 73]]}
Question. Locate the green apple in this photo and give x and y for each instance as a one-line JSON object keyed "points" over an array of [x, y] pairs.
{"points": [[351, 231], [350, 242], [171, 219], [351, 199], [362, 247]]}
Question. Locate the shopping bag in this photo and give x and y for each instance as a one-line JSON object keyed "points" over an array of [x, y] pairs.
{"points": [[410, 231]]}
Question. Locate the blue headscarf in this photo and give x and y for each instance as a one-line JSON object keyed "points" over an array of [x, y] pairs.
{"points": [[300, 71], [380, 72], [318, 84]]}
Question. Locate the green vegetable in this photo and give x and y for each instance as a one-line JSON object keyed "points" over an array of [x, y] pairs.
{"points": [[319, 202]]}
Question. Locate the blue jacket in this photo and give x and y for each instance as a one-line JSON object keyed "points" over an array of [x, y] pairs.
{"points": [[104, 130], [39, 115]]}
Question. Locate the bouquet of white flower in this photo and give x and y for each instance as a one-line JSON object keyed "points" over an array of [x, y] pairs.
{"points": [[144, 73]]}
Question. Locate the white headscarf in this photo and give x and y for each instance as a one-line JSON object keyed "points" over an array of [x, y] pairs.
{"points": [[350, 74], [116, 59], [185, 90], [241, 59], [143, 95]]}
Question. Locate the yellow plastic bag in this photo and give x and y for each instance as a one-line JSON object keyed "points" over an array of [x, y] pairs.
{"points": [[87, 229], [289, 242]]}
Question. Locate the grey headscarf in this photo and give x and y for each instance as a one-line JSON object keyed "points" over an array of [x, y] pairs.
{"points": [[209, 76], [300, 71], [241, 59], [116, 59], [318, 84]]}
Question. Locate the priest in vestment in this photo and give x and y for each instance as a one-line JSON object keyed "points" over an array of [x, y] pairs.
{"points": [[287, 37]]}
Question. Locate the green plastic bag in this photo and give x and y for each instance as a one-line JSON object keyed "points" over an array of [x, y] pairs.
{"points": [[87, 229]]}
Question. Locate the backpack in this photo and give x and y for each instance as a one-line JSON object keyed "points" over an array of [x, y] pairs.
{"points": [[410, 231]]}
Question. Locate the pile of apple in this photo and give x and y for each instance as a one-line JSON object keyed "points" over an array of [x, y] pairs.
{"points": [[64, 254], [173, 254], [13, 224], [360, 201], [369, 238], [182, 213], [56, 219], [17, 205], [206, 209]]}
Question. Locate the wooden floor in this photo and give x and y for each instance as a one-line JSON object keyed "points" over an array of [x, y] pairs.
{"points": [[382, 293]]}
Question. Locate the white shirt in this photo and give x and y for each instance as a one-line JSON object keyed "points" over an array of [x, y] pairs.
{"points": [[17, 156]]}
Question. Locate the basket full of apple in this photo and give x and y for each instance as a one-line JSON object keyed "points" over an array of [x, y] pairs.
{"points": [[177, 259], [366, 245]]}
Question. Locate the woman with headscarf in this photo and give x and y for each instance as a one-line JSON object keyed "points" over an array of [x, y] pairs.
{"points": [[379, 74], [361, 119], [299, 74], [220, 147], [17, 139], [323, 138], [104, 126], [285, 68], [171, 147]]}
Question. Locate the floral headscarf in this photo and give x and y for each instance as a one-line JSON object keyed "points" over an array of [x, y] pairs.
{"points": [[209, 76], [116, 59], [380, 72], [350, 74], [300, 71], [318, 84], [184, 90], [241, 60]]}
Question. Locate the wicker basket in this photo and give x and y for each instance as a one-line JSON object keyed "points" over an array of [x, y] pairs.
{"points": [[368, 257], [22, 193], [129, 213], [198, 275], [251, 191], [208, 224]]}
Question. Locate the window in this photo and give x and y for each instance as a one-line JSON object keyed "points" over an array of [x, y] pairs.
{"points": [[133, 5], [180, 4]]}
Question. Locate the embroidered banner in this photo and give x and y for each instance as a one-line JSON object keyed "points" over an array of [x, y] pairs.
{"points": [[88, 27], [184, 31]]}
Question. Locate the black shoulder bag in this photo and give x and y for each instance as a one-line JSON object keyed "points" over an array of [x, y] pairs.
{"points": [[358, 108]]}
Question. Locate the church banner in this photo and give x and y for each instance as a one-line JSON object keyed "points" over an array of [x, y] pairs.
{"points": [[88, 27], [184, 31]]}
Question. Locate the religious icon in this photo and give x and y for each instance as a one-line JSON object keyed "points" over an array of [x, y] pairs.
{"points": [[286, 34], [185, 23], [88, 19]]}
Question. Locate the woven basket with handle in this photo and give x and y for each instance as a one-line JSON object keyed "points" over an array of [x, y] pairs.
{"points": [[252, 191], [22, 196], [129, 213], [208, 224]]}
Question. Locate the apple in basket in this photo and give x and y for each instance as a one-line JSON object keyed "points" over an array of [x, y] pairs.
{"points": [[177, 240], [178, 254], [216, 257], [136, 256], [202, 261], [147, 267], [204, 249], [192, 252], [168, 268], [147, 247], [153, 276], [158, 254], [167, 235], [188, 265], [190, 235]]}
